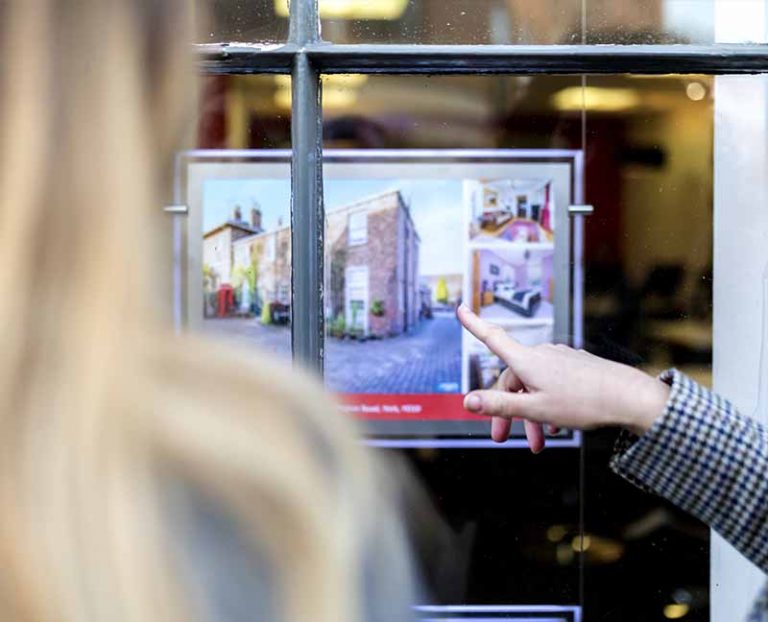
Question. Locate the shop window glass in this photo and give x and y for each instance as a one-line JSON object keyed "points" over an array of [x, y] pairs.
{"points": [[393, 345], [252, 21], [452, 21], [648, 155], [651, 21], [536, 21]]}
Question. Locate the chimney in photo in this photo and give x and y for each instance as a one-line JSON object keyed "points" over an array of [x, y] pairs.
{"points": [[256, 218]]}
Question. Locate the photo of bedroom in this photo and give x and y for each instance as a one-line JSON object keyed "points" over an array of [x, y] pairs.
{"points": [[512, 210], [513, 283]]}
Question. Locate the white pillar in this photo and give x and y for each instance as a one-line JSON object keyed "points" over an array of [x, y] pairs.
{"points": [[740, 256]]}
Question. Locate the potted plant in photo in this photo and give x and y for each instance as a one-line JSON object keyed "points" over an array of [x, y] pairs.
{"points": [[377, 308], [379, 323], [338, 326]]}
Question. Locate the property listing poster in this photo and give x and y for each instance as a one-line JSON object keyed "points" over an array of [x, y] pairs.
{"points": [[401, 255]]}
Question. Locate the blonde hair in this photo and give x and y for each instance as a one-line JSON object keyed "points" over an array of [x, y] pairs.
{"points": [[103, 411]]}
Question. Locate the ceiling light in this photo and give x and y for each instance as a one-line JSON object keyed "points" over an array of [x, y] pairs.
{"points": [[600, 99], [696, 91], [353, 9], [676, 611], [581, 544], [339, 90], [564, 554], [556, 533]]}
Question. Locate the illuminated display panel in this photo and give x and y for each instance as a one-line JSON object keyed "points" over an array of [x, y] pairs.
{"points": [[409, 236]]}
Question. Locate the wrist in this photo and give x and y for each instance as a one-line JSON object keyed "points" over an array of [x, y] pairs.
{"points": [[647, 403]]}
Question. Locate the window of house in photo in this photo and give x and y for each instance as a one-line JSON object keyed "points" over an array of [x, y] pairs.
{"points": [[659, 108], [358, 228]]}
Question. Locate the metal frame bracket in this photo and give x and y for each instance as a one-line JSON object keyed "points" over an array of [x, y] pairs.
{"points": [[581, 210], [176, 210]]}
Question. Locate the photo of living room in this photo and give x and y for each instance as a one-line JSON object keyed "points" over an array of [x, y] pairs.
{"points": [[514, 210], [513, 283]]}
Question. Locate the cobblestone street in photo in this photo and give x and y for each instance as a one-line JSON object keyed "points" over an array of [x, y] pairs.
{"points": [[250, 331], [426, 360]]}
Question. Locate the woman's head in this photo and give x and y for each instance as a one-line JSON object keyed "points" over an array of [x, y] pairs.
{"points": [[103, 412]]}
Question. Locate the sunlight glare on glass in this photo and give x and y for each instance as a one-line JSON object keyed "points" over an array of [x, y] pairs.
{"points": [[740, 21], [353, 9]]}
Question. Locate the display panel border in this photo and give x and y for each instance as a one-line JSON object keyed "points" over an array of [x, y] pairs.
{"points": [[493, 613], [568, 250]]}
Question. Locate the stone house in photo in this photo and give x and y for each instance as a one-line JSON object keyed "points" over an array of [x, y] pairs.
{"points": [[372, 264], [372, 267], [269, 255], [218, 246]]}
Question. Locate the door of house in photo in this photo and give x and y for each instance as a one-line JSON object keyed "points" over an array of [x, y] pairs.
{"points": [[356, 299]]}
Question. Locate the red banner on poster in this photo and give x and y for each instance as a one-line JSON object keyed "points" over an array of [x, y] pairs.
{"points": [[448, 407]]}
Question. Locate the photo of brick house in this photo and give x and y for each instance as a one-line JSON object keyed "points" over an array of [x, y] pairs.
{"points": [[372, 268]]}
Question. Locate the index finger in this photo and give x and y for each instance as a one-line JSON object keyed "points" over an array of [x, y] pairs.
{"points": [[493, 336]]}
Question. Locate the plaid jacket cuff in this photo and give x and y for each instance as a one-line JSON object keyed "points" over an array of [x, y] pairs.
{"points": [[706, 458]]}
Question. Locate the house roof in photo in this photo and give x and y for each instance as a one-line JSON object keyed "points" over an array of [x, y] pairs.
{"points": [[235, 224], [362, 202]]}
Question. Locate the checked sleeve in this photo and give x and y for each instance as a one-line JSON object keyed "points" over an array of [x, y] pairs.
{"points": [[706, 458]]}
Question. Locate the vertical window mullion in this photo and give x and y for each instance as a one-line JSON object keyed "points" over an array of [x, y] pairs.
{"points": [[307, 212]]}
